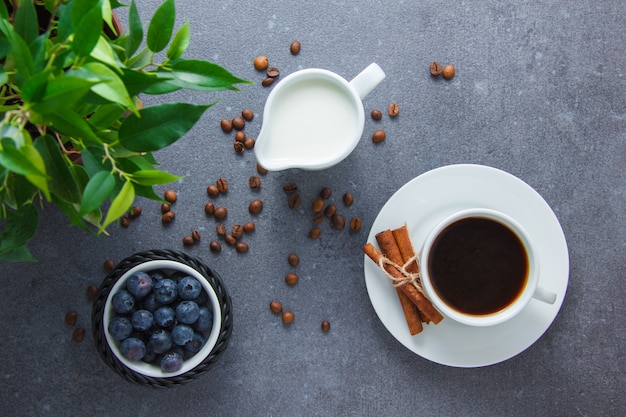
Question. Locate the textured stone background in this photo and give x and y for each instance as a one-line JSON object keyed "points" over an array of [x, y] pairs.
{"points": [[539, 92]]}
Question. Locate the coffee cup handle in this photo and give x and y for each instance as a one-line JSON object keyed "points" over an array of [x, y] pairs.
{"points": [[367, 80], [544, 295]]}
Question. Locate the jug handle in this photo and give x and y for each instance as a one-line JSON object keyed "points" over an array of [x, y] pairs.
{"points": [[367, 80]]}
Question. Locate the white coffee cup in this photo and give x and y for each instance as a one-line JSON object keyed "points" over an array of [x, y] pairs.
{"points": [[313, 119], [466, 299]]}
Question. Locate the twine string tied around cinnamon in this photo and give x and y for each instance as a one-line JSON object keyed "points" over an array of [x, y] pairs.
{"points": [[407, 277]]}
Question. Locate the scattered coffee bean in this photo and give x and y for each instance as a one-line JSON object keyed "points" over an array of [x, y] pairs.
{"points": [[168, 217], [448, 71], [325, 326], [393, 110], [108, 265], [215, 246], [260, 63], [238, 123], [436, 69], [338, 221], [260, 169], [294, 201], [170, 196], [315, 233], [290, 187], [294, 48], [317, 205], [247, 115], [212, 190], [254, 181], [230, 239], [125, 221], [318, 218], [209, 208], [241, 247], [165, 208], [237, 231], [240, 136], [325, 193], [267, 82], [272, 72], [330, 210], [255, 206], [226, 125], [293, 259], [291, 278], [377, 114], [379, 136], [70, 318], [355, 224], [348, 199], [276, 307], [195, 235], [288, 317], [78, 335], [239, 147], [220, 213], [222, 185], [188, 241], [249, 143], [134, 212], [92, 292], [249, 227], [220, 229]]}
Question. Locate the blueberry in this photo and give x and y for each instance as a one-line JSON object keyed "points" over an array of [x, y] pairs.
{"points": [[196, 343], [150, 355], [133, 349], [164, 316], [187, 312], [120, 328], [160, 341], [171, 362], [123, 302], [150, 303], [205, 320], [202, 299], [156, 276], [182, 334], [189, 288], [142, 320], [165, 291], [139, 284]]}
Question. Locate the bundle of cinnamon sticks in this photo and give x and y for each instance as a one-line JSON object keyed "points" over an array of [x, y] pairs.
{"points": [[395, 245]]}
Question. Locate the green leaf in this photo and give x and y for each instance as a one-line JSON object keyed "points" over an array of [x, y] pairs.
{"points": [[138, 81], [179, 43], [135, 30], [161, 26], [3, 76], [202, 75], [20, 227], [62, 93], [153, 177], [106, 84], [120, 204], [87, 19], [63, 181], [103, 52], [3, 10], [21, 254], [25, 66], [38, 180], [38, 49], [17, 159], [26, 21], [159, 126], [65, 27], [141, 60], [5, 47], [72, 124], [106, 115], [97, 191]]}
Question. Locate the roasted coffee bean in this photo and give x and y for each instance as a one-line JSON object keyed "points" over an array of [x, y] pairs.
{"points": [[239, 147], [290, 187], [230, 239], [237, 231], [436, 69], [238, 123], [330, 210], [294, 201], [276, 307], [272, 72], [294, 48], [260, 169], [125, 221], [241, 247], [255, 206], [209, 208], [220, 229], [222, 185], [92, 292], [348, 199], [240, 136], [260, 63], [325, 326], [379, 136], [134, 212], [393, 110], [165, 208], [377, 114], [226, 125], [215, 246], [78, 335], [355, 224], [318, 218], [188, 241], [249, 227], [249, 143], [247, 115], [168, 217], [254, 181], [212, 190], [108, 265], [338, 221], [70, 318], [220, 213], [267, 82], [291, 278], [170, 196], [448, 71], [315, 233], [288, 317], [293, 259], [195, 235], [317, 205], [325, 193]]}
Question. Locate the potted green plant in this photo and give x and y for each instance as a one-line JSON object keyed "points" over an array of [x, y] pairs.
{"points": [[72, 131]]}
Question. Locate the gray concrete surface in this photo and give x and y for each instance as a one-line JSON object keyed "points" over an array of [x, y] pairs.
{"points": [[540, 92]]}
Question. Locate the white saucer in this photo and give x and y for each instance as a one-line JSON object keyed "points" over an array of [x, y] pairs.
{"points": [[424, 201]]}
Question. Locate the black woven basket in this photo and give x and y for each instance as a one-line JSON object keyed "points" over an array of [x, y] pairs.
{"points": [[97, 318]]}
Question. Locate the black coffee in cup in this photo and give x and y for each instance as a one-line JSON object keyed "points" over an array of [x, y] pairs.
{"points": [[478, 266]]}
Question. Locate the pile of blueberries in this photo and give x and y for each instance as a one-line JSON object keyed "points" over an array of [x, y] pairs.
{"points": [[159, 319]]}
